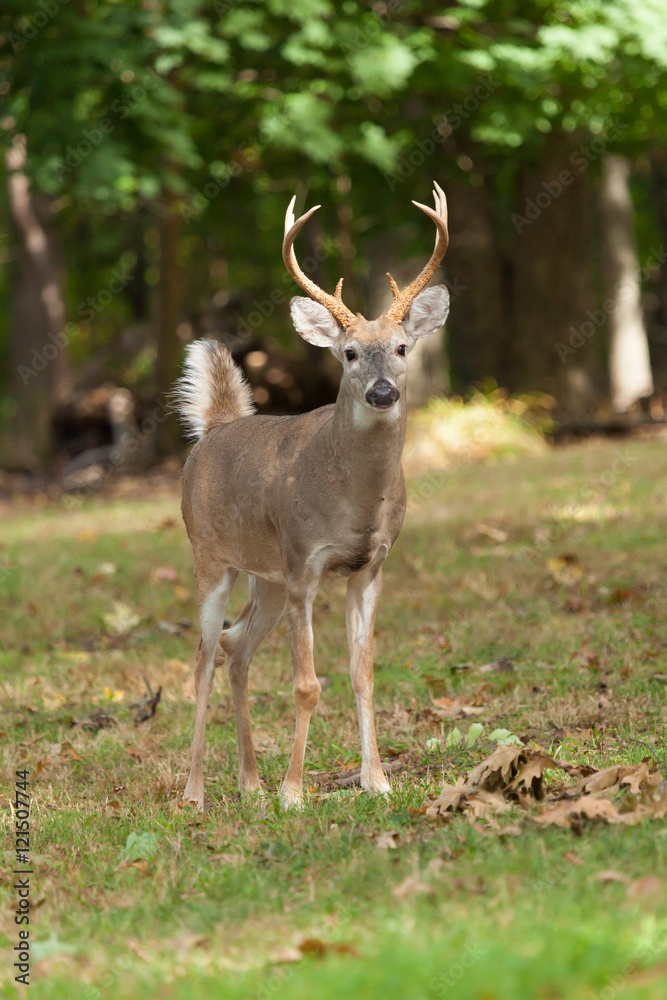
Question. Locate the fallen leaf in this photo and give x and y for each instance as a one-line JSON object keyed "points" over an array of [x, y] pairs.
{"points": [[449, 799], [566, 569], [454, 708], [501, 666], [121, 620], [164, 573], [531, 771], [110, 695], [410, 886], [289, 954], [570, 813], [388, 840], [609, 875], [106, 569], [495, 534], [485, 804]]}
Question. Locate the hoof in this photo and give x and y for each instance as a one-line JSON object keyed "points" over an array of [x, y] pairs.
{"points": [[291, 798], [252, 794], [376, 785], [193, 796]]}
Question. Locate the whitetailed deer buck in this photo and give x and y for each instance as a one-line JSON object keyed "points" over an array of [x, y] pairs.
{"points": [[289, 499]]}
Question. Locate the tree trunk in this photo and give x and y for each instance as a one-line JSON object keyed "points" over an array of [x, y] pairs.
{"points": [[629, 363], [553, 335], [477, 323], [39, 345], [169, 310], [656, 268]]}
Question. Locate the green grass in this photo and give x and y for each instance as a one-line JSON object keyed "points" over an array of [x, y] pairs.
{"points": [[218, 903]]}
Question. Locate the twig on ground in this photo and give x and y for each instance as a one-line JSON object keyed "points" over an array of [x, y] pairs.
{"points": [[354, 777], [147, 707]]}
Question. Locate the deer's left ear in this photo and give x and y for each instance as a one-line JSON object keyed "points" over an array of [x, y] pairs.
{"points": [[427, 313]]}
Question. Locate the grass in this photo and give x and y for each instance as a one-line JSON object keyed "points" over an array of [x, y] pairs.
{"points": [[248, 902]]}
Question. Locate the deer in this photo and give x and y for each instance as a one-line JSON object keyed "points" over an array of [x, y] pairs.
{"points": [[291, 499]]}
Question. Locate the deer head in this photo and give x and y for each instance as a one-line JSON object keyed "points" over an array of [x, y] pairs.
{"points": [[373, 352]]}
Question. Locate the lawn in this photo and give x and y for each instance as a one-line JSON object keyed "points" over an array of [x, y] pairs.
{"points": [[528, 595]]}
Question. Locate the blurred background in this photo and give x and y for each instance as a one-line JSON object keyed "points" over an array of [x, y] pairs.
{"points": [[151, 149]]}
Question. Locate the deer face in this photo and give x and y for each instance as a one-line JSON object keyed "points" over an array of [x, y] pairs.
{"points": [[373, 353]]}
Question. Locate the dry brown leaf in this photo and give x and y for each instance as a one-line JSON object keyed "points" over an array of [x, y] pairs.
{"points": [[410, 886], [609, 875], [496, 769], [512, 766], [531, 771], [455, 708], [288, 954], [566, 569], [449, 799], [510, 830], [315, 946], [484, 804], [164, 573], [495, 534], [594, 807], [387, 840], [635, 778]]}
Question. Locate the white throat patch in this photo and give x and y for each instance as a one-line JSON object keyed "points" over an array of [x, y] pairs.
{"points": [[365, 416]]}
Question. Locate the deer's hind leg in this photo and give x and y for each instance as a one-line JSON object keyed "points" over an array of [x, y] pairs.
{"points": [[213, 601], [266, 603]]}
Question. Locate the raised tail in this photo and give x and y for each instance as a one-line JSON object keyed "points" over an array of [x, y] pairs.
{"points": [[211, 390]]}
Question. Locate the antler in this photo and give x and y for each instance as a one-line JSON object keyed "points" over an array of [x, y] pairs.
{"points": [[403, 300], [334, 303]]}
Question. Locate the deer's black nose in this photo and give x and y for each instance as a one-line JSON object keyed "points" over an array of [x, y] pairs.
{"points": [[383, 394]]}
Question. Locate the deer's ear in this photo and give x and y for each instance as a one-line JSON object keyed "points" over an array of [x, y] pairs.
{"points": [[314, 322], [427, 313]]}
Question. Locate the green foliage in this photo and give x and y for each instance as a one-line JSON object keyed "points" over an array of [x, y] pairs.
{"points": [[231, 104]]}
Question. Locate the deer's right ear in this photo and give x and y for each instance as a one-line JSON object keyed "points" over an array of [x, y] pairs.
{"points": [[315, 323]]}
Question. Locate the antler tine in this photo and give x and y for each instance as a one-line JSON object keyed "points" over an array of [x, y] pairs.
{"points": [[333, 303], [403, 300]]}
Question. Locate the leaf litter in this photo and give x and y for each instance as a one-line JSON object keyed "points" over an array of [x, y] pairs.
{"points": [[515, 775]]}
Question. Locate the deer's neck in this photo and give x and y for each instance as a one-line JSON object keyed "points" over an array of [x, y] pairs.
{"points": [[367, 446]]}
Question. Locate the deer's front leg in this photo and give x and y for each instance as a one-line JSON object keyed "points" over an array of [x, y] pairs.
{"points": [[306, 686], [363, 595]]}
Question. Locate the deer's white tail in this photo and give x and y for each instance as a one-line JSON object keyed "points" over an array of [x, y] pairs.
{"points": [[211, 390]]}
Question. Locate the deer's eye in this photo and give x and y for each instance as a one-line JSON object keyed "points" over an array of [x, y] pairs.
{"points": [[401, 350], [350, 355]]}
